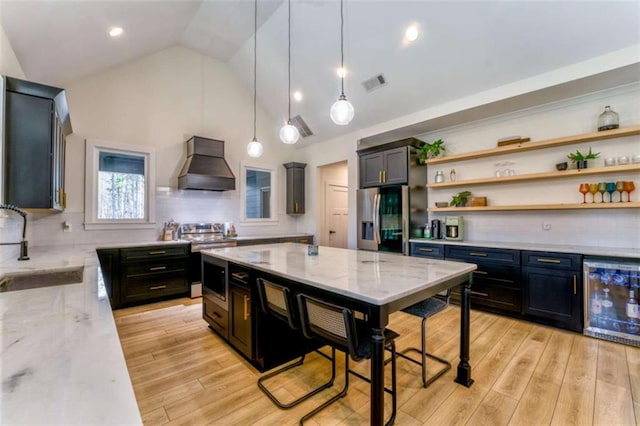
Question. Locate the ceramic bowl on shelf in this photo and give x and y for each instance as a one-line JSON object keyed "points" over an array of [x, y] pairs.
{"points": [[610, 161], [562, 166], [442, 204], [623, 159], [635, 159]]}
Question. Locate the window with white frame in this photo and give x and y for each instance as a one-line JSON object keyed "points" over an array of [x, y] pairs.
{"points": [[120, 183], [258, 191]]}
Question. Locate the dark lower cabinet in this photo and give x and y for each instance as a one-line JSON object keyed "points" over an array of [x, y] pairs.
{"points": [[552, 284], [240, 318]]}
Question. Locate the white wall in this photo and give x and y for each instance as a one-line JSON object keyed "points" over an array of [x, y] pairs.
{"points": [[160, 101], [9, 64]]}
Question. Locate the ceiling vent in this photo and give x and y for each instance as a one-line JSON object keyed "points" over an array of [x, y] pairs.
{"points": [[374, 83], [301, 126]]}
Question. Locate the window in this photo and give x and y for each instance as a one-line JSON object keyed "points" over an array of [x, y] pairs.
{"points": [[119, 186], [258, 194]]}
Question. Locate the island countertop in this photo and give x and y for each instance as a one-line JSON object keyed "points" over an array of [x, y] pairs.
{"points": [[374, 277]]}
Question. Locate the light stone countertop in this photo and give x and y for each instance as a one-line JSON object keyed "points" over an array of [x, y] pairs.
{"points": [[558, 248], [60, 356], [374, 277]]}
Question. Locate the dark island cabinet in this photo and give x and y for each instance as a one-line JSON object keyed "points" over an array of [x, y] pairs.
{"points": [[37, 123], [390, 167], [552, 284], [240, 310], [295, 187], [137, 275]]}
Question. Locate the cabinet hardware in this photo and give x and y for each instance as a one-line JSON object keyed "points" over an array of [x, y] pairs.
{"points": [[477, 293], [543, 260], [158, 268], [64, 199], [427, 250], [480, 272], [575, 285], [384, 175], [158, 287], [296, 207], [478, 254], [158, 252], [305, 241], [246, 308], [217, 315], [380, 176], [240, 275]]}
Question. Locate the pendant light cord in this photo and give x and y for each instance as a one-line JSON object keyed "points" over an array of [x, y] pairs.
{"points": [[342, 45], [289, 70], [255, 60]]}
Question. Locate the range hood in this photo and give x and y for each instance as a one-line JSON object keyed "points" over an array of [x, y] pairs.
{"points": [[205, 167]]}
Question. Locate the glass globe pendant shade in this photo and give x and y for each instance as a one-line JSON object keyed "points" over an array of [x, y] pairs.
{"points": [[289, 133], [254, 148], [342, 111]]}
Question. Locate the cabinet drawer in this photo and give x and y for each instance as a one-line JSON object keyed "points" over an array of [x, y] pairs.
{"points": [[476, 254], [216, 316], [493, 296], [154, 268], [141, 288], [496, 274], [427, 250], [548, 260], [139, 253]]}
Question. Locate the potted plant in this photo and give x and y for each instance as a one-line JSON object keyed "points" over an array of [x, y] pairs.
{"points": [[460, 199], [430, 150], [581, 159]]}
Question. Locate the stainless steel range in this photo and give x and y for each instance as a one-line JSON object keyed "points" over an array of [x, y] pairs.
{"points": [[202, 236]]}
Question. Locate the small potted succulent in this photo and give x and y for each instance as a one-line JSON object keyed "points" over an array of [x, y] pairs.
{"points": [[460, 199], [430, 150], [581, 159]]}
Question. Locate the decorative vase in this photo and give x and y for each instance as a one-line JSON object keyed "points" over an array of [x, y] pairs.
{"points": [[581, 164], [608, 120]]}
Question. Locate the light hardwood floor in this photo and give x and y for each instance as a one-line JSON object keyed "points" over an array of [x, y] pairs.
{"points": [[525, 374]]}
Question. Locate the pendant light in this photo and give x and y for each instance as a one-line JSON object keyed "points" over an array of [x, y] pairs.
{"points": [[342, 111], [254, 148], [289, 134]]}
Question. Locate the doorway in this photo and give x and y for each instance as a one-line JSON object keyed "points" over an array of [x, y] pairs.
{"points": [[334, 211]]}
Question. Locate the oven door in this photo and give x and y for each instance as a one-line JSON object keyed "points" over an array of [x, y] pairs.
{"points": [[214, 280]]}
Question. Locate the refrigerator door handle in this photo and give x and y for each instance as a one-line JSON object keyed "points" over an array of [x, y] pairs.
{"points": [[376, 218]]}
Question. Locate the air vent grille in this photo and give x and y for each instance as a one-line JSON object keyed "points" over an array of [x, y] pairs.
{"points": [[302, 127], [374, 82]]}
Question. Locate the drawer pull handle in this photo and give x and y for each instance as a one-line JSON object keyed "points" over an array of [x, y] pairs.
{"points": [[575, 285], [217, 315], [543, 260], [158, 252], [428, 250], [478, 254], [477, 293], [240, 275], [247, 313], [158, 287], [304, 241], [158, 268], [480, 272]]}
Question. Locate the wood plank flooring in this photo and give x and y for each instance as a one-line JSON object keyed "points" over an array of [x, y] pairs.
{"points": [[525, 374]]}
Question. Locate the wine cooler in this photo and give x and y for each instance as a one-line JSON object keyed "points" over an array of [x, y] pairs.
{"points": [[611, 300]]}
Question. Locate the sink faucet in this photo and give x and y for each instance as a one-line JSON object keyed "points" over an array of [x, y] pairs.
{"points": [[24, 246]]}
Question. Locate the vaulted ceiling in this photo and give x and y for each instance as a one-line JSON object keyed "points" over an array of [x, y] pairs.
{"points": [[463, 47]]}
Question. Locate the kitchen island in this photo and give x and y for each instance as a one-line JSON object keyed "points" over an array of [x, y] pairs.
{"points": [[373, 283]]}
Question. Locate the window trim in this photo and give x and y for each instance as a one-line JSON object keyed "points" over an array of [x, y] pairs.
{"points": [[244, 166], [93, 148]]}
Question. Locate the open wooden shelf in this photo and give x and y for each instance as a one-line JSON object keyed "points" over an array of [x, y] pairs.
{"points": [[538, 176], [526, 207], [532, 146]]}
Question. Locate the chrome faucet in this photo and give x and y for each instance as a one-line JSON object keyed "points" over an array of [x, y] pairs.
{"points": [[24, 246]]}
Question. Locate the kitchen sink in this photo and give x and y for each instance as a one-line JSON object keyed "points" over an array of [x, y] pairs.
{"points": [[29, 280]]}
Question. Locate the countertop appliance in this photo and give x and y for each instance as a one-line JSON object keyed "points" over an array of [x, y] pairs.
{"points": [[454, 228], [383, 219], [436, 229], [202, 236], [611, 290]]}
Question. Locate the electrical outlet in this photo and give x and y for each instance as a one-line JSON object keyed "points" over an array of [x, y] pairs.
{"points": [[546, 226]]}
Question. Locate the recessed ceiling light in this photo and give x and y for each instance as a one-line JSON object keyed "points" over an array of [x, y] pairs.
{"points": [[411, 33], [115, 31], [297, 95], [342, 72]]}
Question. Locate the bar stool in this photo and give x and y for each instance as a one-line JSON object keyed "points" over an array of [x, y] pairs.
{"points": [[278, 301], [337, 326], [426, 309]]}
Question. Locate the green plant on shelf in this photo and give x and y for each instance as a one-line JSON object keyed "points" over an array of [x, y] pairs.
{"points": [[430, 150], [460, 199], [580, 159]]}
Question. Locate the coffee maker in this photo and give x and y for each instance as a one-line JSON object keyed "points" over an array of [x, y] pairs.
{"points": [[436, 232], [454, 228]]}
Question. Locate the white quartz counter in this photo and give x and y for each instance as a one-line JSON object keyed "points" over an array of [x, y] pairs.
{"points": [[374, 277], [60, 356], [558, 248]]}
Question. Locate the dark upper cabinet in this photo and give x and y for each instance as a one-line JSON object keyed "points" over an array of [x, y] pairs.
{"points": [[390, 167], [295, 187], [36, 125]]}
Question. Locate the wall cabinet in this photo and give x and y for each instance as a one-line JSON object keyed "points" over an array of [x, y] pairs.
{"points": [[36, 125], [389, 167], [295, 187], [137, 275], [552, 284]]}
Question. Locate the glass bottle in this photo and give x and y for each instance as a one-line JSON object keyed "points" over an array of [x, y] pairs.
{"points": [[452, 175], [608, 119], [633, 314], [439, 177]]}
